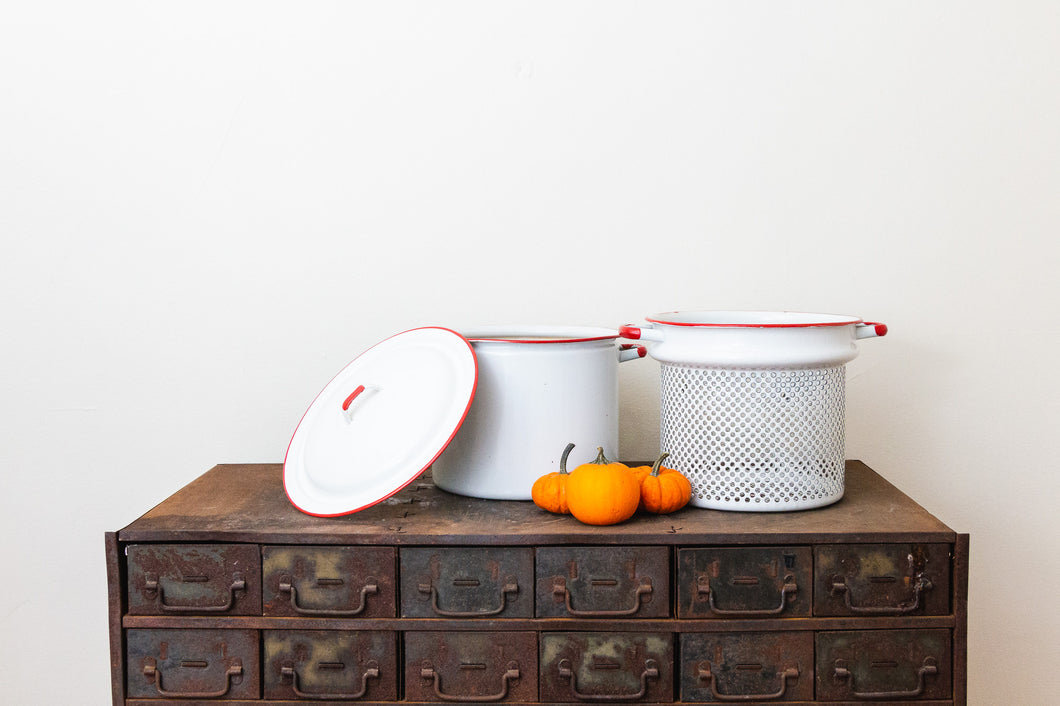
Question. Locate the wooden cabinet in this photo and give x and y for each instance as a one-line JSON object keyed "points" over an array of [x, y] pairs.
{"points": [[225, 592]]}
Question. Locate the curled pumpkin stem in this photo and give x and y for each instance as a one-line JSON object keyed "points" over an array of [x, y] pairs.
{"points": [[658, 464], [563, 458]]}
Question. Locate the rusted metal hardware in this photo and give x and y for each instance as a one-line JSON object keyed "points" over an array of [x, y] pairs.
{"points": [[603, 582], [341, 665], [427, 672], [747, 666], [920, 583], [841, 672], [643, 591], [705, 674], [329, 581], [651, 671], [510, 585], [193, 579], [368, 589], [467, 582], [882, 579], [472, 667], [151, 671], [606, 667], [288, 674], [193, 663], [884, 664], [152, 587], [744, 582], [787, 592]]}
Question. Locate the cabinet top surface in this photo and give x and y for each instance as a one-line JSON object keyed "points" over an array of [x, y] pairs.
{"points": [[246, 503]]}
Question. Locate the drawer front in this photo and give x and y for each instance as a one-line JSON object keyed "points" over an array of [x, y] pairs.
{"points": [[883, 664], [882, 579], [754, 666], [194, 579], [335, 582], [744, 582], [192, 664], [603, 582], [471, 666], [467, 582], [328, 664], [612, 667]]}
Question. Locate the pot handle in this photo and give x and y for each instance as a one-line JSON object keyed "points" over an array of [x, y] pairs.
{"points": [[636, 333], [870, 329], [631, 351]]}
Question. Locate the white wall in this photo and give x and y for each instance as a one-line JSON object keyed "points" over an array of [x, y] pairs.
{"points": [[207, 209]]}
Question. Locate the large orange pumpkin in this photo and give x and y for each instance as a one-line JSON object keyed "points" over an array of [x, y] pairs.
{"points": [[663, 490], [549, 492], [602, 492]]}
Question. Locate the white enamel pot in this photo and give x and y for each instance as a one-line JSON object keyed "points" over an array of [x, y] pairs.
{"points": [[752, 403], [539, 388]]}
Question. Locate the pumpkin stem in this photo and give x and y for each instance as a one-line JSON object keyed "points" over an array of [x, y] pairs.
{"points": [[600, 458], [563, 459], [658, 464]]}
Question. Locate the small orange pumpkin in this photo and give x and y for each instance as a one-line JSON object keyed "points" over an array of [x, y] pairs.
{"points": [[602, 492], [549, 492], [663, 490]]}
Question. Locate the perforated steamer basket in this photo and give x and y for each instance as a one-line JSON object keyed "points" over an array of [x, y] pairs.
{"points": [[753, 403]]}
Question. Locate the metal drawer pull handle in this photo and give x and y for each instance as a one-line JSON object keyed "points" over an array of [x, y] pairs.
{"points": [[706, 675], [559, 588], [427, 672], [151, 670], [789, 589], [650, 672], [510, 586], [152, 585], [840, 672], [369, 589], [288, 673], [839, 585]]}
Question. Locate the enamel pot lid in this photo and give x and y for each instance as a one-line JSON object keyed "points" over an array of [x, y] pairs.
{"points": [[380, 422]]}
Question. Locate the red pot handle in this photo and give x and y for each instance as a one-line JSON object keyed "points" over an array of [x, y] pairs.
{"points": [[636, 333], [871, 329]]}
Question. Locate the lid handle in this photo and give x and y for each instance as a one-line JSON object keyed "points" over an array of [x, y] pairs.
{"points": [[348, 405]]}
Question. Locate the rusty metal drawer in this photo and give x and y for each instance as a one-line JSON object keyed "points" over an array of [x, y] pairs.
{"points": [[467, 582], [884, 664], [194, 579], [331, 665], [744, 582], [606, 666], [471, 666], [192, 664], [603, 582], [747, 666], [331, 582], [881, 579]]}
